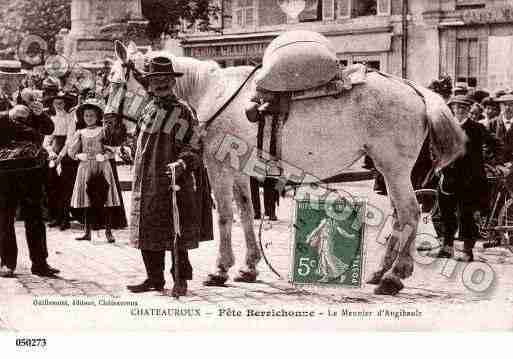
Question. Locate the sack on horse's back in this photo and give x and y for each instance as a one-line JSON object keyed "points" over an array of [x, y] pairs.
{"points": [[297, 60]]}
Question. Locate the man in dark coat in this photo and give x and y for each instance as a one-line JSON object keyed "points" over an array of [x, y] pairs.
{"points": [[165, 129], [463, 186], [22, 129], [503, 125]]}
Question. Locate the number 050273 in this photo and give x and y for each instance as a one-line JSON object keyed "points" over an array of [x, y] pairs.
{"points": [[31, 342]]}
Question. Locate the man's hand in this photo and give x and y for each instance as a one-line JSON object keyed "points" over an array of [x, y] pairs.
{"points": [[179, 167], [264, 107], [503, 170], [36, 107], [19, 112], [100, 157], [81, 156], [52, 156]]}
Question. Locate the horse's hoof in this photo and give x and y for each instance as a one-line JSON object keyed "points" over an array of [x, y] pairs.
{"points": [[403, 267], [389, 285], [246, 276], [376, 277], [215, 280]]}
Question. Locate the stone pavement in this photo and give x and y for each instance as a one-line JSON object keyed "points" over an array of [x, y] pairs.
{"points": [[100, 270]]}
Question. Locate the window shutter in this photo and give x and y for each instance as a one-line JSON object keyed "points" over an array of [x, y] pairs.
{"points": [[344, 9], [238, 17], [383, 7], [328, 9]]}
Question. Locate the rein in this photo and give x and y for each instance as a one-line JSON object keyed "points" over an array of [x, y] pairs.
{"points": [[229, 101]]}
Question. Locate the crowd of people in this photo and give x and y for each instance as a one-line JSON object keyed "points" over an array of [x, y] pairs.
{"points": [[57, 148], [464, 187], [69, 143], [70, 174]]}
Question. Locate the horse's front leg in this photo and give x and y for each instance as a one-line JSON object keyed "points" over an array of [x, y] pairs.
{"points": [[242, 193], [222, 185]]}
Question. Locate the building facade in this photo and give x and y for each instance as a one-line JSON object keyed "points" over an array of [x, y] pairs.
{"points": [[361, 31], [95, 26], [476, 42], [471, 40]]}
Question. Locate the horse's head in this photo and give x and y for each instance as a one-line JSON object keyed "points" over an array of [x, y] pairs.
{"points": [[127, 95]]}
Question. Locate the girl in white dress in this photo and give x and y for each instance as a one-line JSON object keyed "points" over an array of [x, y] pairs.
{"points": [[95, 186]]}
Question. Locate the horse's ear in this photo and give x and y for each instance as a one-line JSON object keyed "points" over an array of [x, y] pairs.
{"points": [[132, 48], [121, 51]]}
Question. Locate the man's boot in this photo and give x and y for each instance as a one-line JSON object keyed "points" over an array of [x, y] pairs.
{"points": [[146, 286], [179, 288]]}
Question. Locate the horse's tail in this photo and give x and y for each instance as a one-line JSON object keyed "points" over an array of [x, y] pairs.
{"points": [[446, 136]]}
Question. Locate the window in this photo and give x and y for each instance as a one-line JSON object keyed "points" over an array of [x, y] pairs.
{"points": [[247, 61], [356, 8], [244, 13], [312, 11], [470, 4], [364, 8], [372, 64], [467, 56]]}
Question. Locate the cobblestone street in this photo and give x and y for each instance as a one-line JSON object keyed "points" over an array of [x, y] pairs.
{"points": [[100, 270]]}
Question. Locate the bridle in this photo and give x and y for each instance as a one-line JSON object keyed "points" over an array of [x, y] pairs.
{"points": [[129, 68]]}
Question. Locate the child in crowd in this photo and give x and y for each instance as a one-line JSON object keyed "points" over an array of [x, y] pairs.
{"points": [[95, 188]]}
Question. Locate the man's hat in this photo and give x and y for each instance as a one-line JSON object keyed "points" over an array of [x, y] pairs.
{"points": [[489, 101], [12, 74], [68, 98], [92, 103], [11, 67], [460, 88], [50, 84], [461, 99], [478, 95], [161, 66], [505, 98], [50, 89]]}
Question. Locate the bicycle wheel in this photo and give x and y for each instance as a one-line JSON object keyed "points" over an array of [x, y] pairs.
{"points": [[506, 222]]}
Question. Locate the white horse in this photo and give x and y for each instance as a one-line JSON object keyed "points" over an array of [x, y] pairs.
{"points": [[385, 118]]}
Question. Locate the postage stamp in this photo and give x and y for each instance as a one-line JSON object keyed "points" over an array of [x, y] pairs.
{"points": [[327, 246]]}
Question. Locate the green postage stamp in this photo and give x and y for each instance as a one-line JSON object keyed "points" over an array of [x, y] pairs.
{"points": [[327, 246]]}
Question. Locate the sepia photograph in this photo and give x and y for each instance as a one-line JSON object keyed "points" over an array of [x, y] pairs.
{"points": [[177, 166]]}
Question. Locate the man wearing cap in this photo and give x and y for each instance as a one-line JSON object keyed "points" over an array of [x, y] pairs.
{"points": [[504, 127], [491, 112], [495, 126], [463, 186], [461, 88], [22, 129], [164, 142]]}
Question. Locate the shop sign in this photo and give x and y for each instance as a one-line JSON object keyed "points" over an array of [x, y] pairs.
{"points": [[227, 51], [502, 14]]}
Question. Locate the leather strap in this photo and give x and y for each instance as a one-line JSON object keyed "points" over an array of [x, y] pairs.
{"points": [[227, 103]]}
